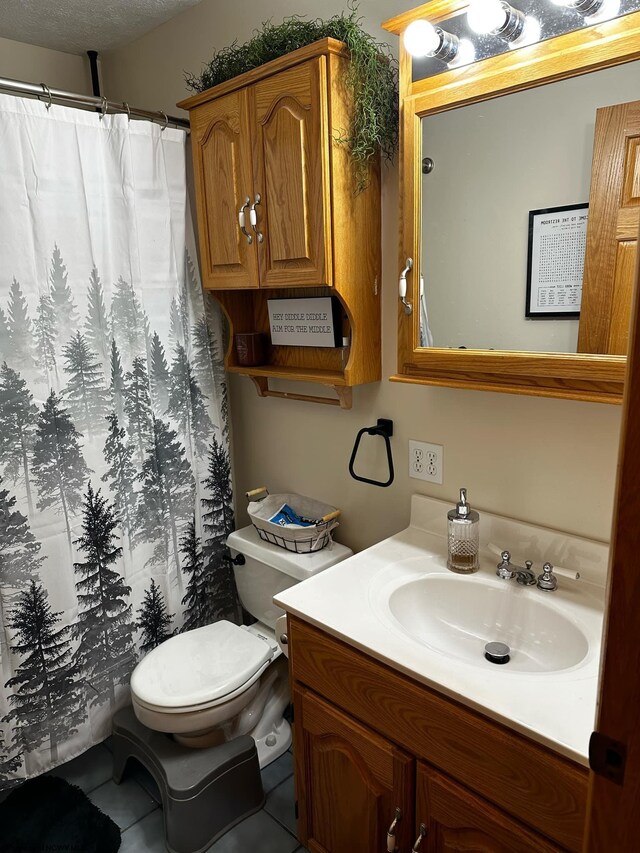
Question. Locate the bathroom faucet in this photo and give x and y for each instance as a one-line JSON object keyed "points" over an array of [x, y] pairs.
{"points": [[523, 574]]}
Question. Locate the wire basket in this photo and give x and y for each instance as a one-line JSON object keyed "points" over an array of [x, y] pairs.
{"points": [[301, 540]]}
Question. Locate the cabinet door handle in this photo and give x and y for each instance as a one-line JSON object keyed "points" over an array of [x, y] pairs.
{"points": [[241, 220], [391, 832], [420, 838], [402, 286], [253, 217]]}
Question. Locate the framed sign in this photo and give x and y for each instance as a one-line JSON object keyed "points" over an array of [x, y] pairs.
{"points": [[555, 264], [313, 321]]}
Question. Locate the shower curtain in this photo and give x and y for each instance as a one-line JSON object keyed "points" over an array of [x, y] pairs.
{"points": [[115, 496]]}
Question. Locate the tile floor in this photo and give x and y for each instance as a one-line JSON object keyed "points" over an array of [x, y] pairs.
{"points": [[135, 806]]}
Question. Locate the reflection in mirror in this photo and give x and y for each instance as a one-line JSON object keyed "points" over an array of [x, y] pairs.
{"points": [[493, 163]]}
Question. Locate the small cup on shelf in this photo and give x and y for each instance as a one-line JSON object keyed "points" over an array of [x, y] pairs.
{"points": [[250, 348]]}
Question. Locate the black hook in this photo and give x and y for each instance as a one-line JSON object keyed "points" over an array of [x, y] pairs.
{"points": [[383, 427]]}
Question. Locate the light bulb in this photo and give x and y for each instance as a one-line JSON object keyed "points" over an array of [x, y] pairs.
{"points": [[421, 39], [530, 33], [593, 11], [466, 54], [485, 16], [608, 10]]}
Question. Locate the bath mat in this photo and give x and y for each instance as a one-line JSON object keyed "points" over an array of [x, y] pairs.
{"points": [[47, 814]]}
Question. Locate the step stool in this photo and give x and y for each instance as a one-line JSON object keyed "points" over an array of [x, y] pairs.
{"points": [[204, 791]]}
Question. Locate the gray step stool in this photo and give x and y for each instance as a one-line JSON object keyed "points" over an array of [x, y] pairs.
{"points": [[204, 791]]}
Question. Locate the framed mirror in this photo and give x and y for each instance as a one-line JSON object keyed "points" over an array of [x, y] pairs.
{"points": [[520, 211]]}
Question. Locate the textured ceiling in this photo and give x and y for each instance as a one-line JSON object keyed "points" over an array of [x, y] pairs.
{"points": [[78, 25]]}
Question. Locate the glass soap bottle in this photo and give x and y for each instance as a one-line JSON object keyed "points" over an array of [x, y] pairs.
{"points": [[463, 525]]}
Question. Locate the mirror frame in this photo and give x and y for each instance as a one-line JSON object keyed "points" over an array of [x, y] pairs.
{"points": [[595, 378]]}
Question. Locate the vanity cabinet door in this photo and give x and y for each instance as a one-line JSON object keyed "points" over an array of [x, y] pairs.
{"points": [[224, 181], [349, 782], [457, 821], [291, 162]]}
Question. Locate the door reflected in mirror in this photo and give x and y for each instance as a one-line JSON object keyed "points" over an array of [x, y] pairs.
{"points": [[493, 163]]}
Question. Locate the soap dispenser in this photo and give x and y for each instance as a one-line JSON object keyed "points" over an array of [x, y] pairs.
{"points": [[463, 537]]}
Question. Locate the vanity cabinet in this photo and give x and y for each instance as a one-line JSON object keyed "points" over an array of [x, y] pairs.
{"points": [[369, 740], [279, 215]]}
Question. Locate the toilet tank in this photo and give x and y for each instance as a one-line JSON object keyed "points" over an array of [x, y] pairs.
{"points": [[269, 569]]}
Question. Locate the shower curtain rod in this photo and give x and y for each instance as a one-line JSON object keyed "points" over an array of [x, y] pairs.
{"points": [[49, 95]]}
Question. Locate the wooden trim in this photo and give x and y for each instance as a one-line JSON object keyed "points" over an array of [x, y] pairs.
{"points": [[613, 817], [530, 387], [586, 377], [322, 47], [436, 11], [544, 790]]}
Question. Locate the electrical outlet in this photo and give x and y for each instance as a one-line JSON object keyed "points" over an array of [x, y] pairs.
{"points": [[425, 461]]}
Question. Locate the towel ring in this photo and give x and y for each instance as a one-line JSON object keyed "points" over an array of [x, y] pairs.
{"points": [[128, 109], [104, 108], [47, 92], [166, 121], [384, 428]]}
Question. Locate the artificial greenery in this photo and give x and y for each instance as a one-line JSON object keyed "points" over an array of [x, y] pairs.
{"points": [[372, 75]]}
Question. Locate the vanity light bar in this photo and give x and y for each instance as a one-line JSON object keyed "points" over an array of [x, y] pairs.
{"points": [[497, 18]]}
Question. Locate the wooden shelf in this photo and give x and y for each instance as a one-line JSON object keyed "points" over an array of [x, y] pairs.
{"points": [[293, 374]]}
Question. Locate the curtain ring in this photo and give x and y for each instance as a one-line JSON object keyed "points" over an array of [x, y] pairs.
{"points": [[47, 92], [128, 109], [166, 120], [105, 107]]}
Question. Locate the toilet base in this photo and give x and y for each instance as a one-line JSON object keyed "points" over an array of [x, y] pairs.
{"points": [[204, 792], [274, 744]]}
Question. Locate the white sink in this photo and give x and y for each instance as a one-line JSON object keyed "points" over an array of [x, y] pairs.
{"points": [[397, 602], [457, 615]]}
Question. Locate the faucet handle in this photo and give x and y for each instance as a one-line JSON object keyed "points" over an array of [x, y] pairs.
{"points": [[504, 569], [547, 580]]}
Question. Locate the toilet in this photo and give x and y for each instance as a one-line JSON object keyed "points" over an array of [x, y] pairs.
{"points": [[221, 681]]}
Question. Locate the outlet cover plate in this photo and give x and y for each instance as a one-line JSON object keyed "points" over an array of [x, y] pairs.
{"points": [[426, 461]]}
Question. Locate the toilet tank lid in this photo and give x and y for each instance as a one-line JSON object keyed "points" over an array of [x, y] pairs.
{"points": [[299, 566]]}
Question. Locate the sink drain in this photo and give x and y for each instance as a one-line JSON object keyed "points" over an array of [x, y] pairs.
{"points": [[497, 653]]}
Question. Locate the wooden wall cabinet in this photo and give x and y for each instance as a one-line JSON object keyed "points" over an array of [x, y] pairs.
{"points": [[278, 215], [369, 740]]}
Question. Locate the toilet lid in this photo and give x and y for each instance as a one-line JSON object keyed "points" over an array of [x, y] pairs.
{"points": [[199, 666]]}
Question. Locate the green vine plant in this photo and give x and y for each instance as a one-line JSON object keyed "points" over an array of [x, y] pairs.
{"points": [[372, 75]]}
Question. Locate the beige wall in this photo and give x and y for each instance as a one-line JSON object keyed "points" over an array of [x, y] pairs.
{"points": [[40, 65], [551, 462]]}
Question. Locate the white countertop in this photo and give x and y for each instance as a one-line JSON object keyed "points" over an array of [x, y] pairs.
{"points": [[349, 601]]}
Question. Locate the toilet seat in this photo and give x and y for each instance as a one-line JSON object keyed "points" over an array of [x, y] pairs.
{"points": [[200, 669]]}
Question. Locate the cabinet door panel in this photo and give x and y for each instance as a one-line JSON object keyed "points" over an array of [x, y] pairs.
{"points": [[292, 176], [349, 781], [459, 822], [222, 163]]}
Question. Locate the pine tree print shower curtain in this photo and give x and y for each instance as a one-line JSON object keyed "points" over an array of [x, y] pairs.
{"points": [[115, 496]]}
